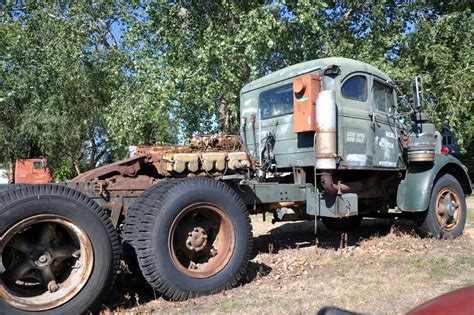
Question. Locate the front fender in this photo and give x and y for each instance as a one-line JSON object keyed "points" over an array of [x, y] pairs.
{"points": [[414, 191]]}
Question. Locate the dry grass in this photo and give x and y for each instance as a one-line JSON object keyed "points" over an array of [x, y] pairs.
{"points": [[382, 268]]}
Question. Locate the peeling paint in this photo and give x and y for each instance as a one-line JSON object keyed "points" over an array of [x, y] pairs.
{"points": [[356, 159], [387, 163]]}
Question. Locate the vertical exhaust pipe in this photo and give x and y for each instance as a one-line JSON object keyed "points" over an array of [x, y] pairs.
{"points": [[325, 137]]}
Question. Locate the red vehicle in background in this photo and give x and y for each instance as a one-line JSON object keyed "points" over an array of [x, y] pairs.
{"points": [[32, 171]]}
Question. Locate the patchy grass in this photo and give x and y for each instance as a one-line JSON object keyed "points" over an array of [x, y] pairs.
{"points": [[441, 268], [380, 268], [470, 210]]}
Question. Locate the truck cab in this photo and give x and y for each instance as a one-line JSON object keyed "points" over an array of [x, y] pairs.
{"points": [[365, 97], [32, 171], [335, 120]]}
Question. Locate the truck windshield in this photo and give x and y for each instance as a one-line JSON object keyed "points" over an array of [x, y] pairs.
{"points": [[277, 101]]}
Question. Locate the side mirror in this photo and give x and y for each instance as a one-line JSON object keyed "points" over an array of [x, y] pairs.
{"points": [[418, 93]]}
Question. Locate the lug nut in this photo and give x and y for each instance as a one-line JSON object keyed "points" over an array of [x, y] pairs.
{"points": [[42, 259], [53, 286]]}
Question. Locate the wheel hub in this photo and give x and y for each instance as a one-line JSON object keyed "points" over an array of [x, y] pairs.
{"points": [[201, 240], [197, 239], [41, 258], [447, 209], [46, 261], [451, 208]]}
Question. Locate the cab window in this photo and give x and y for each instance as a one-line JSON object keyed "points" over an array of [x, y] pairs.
{"points": [[38, 165], [383, 97], [277, 101], [355, 88]]}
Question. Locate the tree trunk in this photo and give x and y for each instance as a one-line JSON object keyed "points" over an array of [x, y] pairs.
{"points": [[11, 171], [77, 167], [224, 115]]}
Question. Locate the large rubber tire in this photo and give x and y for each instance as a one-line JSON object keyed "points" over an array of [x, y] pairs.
{"points": [[429, 224], [63, 203], [148, 227], [345, 224], [5, 188]]}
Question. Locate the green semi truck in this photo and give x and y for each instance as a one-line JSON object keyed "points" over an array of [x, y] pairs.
{"points": [[321, 140]]}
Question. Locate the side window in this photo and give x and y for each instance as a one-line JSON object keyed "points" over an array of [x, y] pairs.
{"points": [[277, 101], [355, 88], [38, 165], [383, 97]]}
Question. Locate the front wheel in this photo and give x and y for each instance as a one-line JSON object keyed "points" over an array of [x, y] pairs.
{"points": [[446, 214], [192, 237]]}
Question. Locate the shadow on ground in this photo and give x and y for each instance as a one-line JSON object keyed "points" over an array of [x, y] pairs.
{"points": [[301, 234], [133, 290]]}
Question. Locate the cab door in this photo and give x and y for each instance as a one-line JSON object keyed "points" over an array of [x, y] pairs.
{"points": [[386, 150]]}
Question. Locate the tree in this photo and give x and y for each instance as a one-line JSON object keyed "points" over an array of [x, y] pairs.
{"points": [[57, 80], [79, 82]]}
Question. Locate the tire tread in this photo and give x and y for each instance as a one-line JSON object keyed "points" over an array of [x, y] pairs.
{"points": [[138, 228]]}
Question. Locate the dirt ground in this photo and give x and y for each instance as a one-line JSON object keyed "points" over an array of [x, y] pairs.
{"points": [[380, 268]]}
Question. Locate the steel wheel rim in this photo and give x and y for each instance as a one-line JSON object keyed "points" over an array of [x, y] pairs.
{"points": [[448, 209], [62, 256], [210, 254]]}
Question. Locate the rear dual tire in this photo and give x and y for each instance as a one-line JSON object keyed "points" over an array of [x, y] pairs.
{"points": [[59, 252], [192, 237]]}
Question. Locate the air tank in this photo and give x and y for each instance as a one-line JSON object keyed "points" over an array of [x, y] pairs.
{"points": [[325, 138]]}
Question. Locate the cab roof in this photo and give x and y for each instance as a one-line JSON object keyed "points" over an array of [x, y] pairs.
{"points": [[346, 66]]}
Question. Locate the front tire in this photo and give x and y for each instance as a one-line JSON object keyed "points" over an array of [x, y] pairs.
{"points": [[59, 252], [192, 237], [446, 214]]}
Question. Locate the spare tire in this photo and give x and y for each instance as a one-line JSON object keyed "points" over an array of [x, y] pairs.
{"points": [[191, 236], [59, 252]]}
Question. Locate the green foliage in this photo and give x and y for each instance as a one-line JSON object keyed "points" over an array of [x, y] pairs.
{"points": [[79, 83], [56, 82]]}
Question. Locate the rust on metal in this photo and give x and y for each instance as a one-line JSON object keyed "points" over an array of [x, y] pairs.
{"points": [[31, 171], [128, 168], [306, 88], [405, 139], [201, 240], [325, 138], [115, 185], [47, 260], [448, 209], [421, 156]]}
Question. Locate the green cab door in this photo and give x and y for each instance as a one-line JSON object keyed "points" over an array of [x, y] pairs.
{"points": [[386, 147]]}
